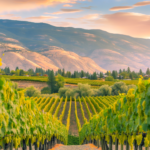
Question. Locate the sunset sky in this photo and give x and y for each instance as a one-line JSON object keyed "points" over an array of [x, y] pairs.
{"points": [[129, 17]]}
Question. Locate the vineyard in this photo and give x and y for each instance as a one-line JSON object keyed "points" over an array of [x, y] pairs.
{"points": [[74, 112], [123, 119]]}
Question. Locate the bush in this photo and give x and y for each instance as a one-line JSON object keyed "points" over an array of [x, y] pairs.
{"points": [[32, 92], [62, 91], [119, 87], [109, 78], [104, 90], [46, 90]]}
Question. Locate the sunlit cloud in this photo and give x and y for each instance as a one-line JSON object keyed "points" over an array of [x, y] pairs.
{"points": [[144, 3], [120, 8], [86, 17], [133, 24], [19, 5], [10, 16], [41, 17], [63, 11], [67, 5]]}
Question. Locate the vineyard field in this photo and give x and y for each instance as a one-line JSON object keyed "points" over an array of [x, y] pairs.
{"points": [[86, 107], [73, 81]]}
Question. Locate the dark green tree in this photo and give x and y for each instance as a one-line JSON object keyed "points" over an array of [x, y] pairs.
{"points": [[148, 71], [82, 73], [52, 82], [17, 68], [101, 75], [21, 73]]}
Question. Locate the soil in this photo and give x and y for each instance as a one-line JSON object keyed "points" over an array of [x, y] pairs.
{"points": [[38, 85]]}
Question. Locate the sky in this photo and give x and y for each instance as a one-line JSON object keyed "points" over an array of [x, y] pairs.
{"points": [[128, 17]]}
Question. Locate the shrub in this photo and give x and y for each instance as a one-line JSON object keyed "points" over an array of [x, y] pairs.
{"points": [[62, 91], [104, 90], [46, 90], [119, 87], [32, 92], [109, 78]]}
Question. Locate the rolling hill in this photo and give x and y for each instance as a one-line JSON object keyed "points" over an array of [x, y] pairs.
{"points": [[95, 47]]}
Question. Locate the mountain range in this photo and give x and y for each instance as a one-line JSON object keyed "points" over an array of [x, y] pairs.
{"points": [[30, 45]]}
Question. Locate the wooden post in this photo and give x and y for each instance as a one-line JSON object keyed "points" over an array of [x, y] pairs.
{"points": [[30, 146], [135, 145], [11, 145], [40, 147], [127, 144], [116, 144], [110, 142], [36, 145], [24, 144]]}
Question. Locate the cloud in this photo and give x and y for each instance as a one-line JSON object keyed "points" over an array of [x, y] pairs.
{"points": [[10, 16], [120, 8], [19, 5], [86, 17], [67, 5], [89, 7], [133, 24], [144, 3], [41, 17], [63, 11]]}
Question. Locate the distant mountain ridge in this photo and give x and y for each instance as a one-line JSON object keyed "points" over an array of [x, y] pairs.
{"points": [[109, 51]]}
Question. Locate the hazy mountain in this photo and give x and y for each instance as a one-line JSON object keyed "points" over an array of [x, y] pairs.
{"points": [[109, 51]]}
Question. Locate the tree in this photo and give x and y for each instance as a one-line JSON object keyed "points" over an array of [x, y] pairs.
{"points": [[94, 76], [60, 81], [128, 70], [59, 71], [30, 72], [101, 74], [17, 72], [140, 72], [12, 72], [148, 71], [114, 74], [120, 71], [17, 68], [82, 73], [21, 73], [52, 82], [131, 76], [63, 72]]}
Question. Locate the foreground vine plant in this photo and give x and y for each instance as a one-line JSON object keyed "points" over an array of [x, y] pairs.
{"points": [[20, 119], [127, 119]]}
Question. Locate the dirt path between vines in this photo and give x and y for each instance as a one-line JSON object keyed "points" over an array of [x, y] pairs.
{"points": [[76, 147]]}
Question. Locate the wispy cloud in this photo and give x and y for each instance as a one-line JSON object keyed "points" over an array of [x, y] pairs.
{"points": [[144, 3], [10, 16], [120, 8], [19, 5], [63, 11], [89, 7], [87, 17], [67, 5], [41, 17]]}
